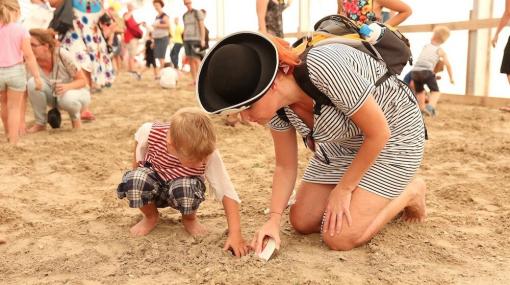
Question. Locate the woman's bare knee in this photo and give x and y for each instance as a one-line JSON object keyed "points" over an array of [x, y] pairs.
{"points": [[301, 222]]}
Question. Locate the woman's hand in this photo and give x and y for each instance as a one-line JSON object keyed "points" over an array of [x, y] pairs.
{"points": [[271, 229], [62, 88], [339, 202], [237, 244]]}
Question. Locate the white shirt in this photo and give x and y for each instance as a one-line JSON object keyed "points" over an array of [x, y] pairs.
{"points": [[36, 16], [215, 172]]}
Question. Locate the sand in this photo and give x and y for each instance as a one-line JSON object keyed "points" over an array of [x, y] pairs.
{"points": [[64, 224]]}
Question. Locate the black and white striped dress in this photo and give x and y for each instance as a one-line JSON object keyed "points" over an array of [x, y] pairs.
{"points": [[347, 76]]}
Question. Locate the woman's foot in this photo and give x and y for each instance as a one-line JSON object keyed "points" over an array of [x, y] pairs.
{"points": [[145, 226], [36, 128], [193, 227], [416, 209]]}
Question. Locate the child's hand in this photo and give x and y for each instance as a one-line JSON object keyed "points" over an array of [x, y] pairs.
{"points": [[38, 84], [237, 244]]}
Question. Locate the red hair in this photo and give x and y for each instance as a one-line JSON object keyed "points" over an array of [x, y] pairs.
{"points": [[285, 53]]}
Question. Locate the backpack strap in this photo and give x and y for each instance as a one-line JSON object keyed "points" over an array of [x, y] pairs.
{"points": [[303, 80]]}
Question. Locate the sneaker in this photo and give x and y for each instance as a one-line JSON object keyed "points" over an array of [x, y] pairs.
{"points": [[431, 110]]}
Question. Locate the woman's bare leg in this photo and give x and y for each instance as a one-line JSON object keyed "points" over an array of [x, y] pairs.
{"points": [[434, 98], [370, 212]]}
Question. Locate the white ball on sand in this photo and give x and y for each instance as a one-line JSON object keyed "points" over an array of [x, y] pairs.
{"points": [[168, 78]]}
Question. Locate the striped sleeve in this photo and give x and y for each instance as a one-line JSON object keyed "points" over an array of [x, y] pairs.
{"points": [[278, 124], [335, 74]]}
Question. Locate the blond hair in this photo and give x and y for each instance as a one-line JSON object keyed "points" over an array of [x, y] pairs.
{"points": [[192, 134], [9, 11], [441, 33]]}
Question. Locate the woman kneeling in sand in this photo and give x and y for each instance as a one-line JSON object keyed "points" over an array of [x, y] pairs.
{"points": [[368, 141], [64, 83]]}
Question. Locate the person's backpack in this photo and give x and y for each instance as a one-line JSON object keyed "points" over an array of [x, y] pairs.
{"points": [[392, 50]]}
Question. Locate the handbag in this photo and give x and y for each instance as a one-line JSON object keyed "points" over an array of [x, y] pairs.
{"points": [[54, 118]]}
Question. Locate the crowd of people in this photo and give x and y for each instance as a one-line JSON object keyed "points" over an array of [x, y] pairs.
{"points": [[367, 137]]}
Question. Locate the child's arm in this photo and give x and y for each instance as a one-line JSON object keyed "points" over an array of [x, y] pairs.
{"points": [[235, 239], [134, 163], [223, 189], [28, 54], [447, 64]]}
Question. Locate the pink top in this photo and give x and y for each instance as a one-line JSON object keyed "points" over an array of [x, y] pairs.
{"points": [[12, 36]]}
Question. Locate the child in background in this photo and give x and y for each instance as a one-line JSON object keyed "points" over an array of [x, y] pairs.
{"points": [[423, 70], [13, 77], [170, 162], [148, 52], [169, 77]]}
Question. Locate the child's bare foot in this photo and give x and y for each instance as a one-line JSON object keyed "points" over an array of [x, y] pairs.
{"points": [[2, 240], [145, 226], [36, 128], [416, 210], [194, 227]]}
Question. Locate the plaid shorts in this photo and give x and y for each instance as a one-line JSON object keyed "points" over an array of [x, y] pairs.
{"points": [[144, 186]]}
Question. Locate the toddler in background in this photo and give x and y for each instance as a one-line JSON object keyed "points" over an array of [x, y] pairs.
{"points": [[13, 78], [423, 70], [148, 52], [170, 163]]}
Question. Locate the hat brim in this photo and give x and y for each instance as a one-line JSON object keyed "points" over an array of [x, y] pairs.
{"points": [[214, 103]]}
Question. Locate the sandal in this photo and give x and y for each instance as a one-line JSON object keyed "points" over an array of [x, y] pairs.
{"points": [[87, 116]]}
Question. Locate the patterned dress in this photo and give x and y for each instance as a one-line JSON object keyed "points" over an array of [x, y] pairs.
{"points": [[87, 44], [360, 11], [274, 20]]}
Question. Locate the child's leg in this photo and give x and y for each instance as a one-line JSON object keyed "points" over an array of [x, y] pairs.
{"points": [[22, 121], [434, 98], [149, 221], [3, 108], [155, 71], [14, 101], [186, 194], [192, 225]]}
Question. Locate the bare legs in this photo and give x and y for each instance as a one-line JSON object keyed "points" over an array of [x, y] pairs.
{"points": [[151, 217], [370, 212], [193, 64], [11, 104]]}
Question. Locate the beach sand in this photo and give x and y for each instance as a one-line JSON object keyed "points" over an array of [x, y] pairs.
{"points": [[64, 224]]}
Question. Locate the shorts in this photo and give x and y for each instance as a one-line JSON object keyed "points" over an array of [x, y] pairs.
{"points": [[160, 47], [193, 49], [132, 47], [149, 62], [144, 186], [424, 77], [13, 78]]}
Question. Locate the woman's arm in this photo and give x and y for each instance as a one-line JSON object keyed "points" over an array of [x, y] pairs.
{"points": [[403, 11], [370, 119], [284, 179], [340, 9], [502, 22], [261, 14], [79, 81]]}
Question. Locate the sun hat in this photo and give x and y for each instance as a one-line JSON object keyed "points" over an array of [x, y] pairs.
{"points": [[236, 72]]}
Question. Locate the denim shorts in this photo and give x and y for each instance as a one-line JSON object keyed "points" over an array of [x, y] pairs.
{"points": [[13, 78]]}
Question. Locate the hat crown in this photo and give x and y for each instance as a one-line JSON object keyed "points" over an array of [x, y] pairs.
{"points": [[235, 71]]}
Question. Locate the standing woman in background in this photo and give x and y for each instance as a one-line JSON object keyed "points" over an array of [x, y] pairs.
{"points": [[505, 64], [160, 33], [269, 14], [362, 11]]}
